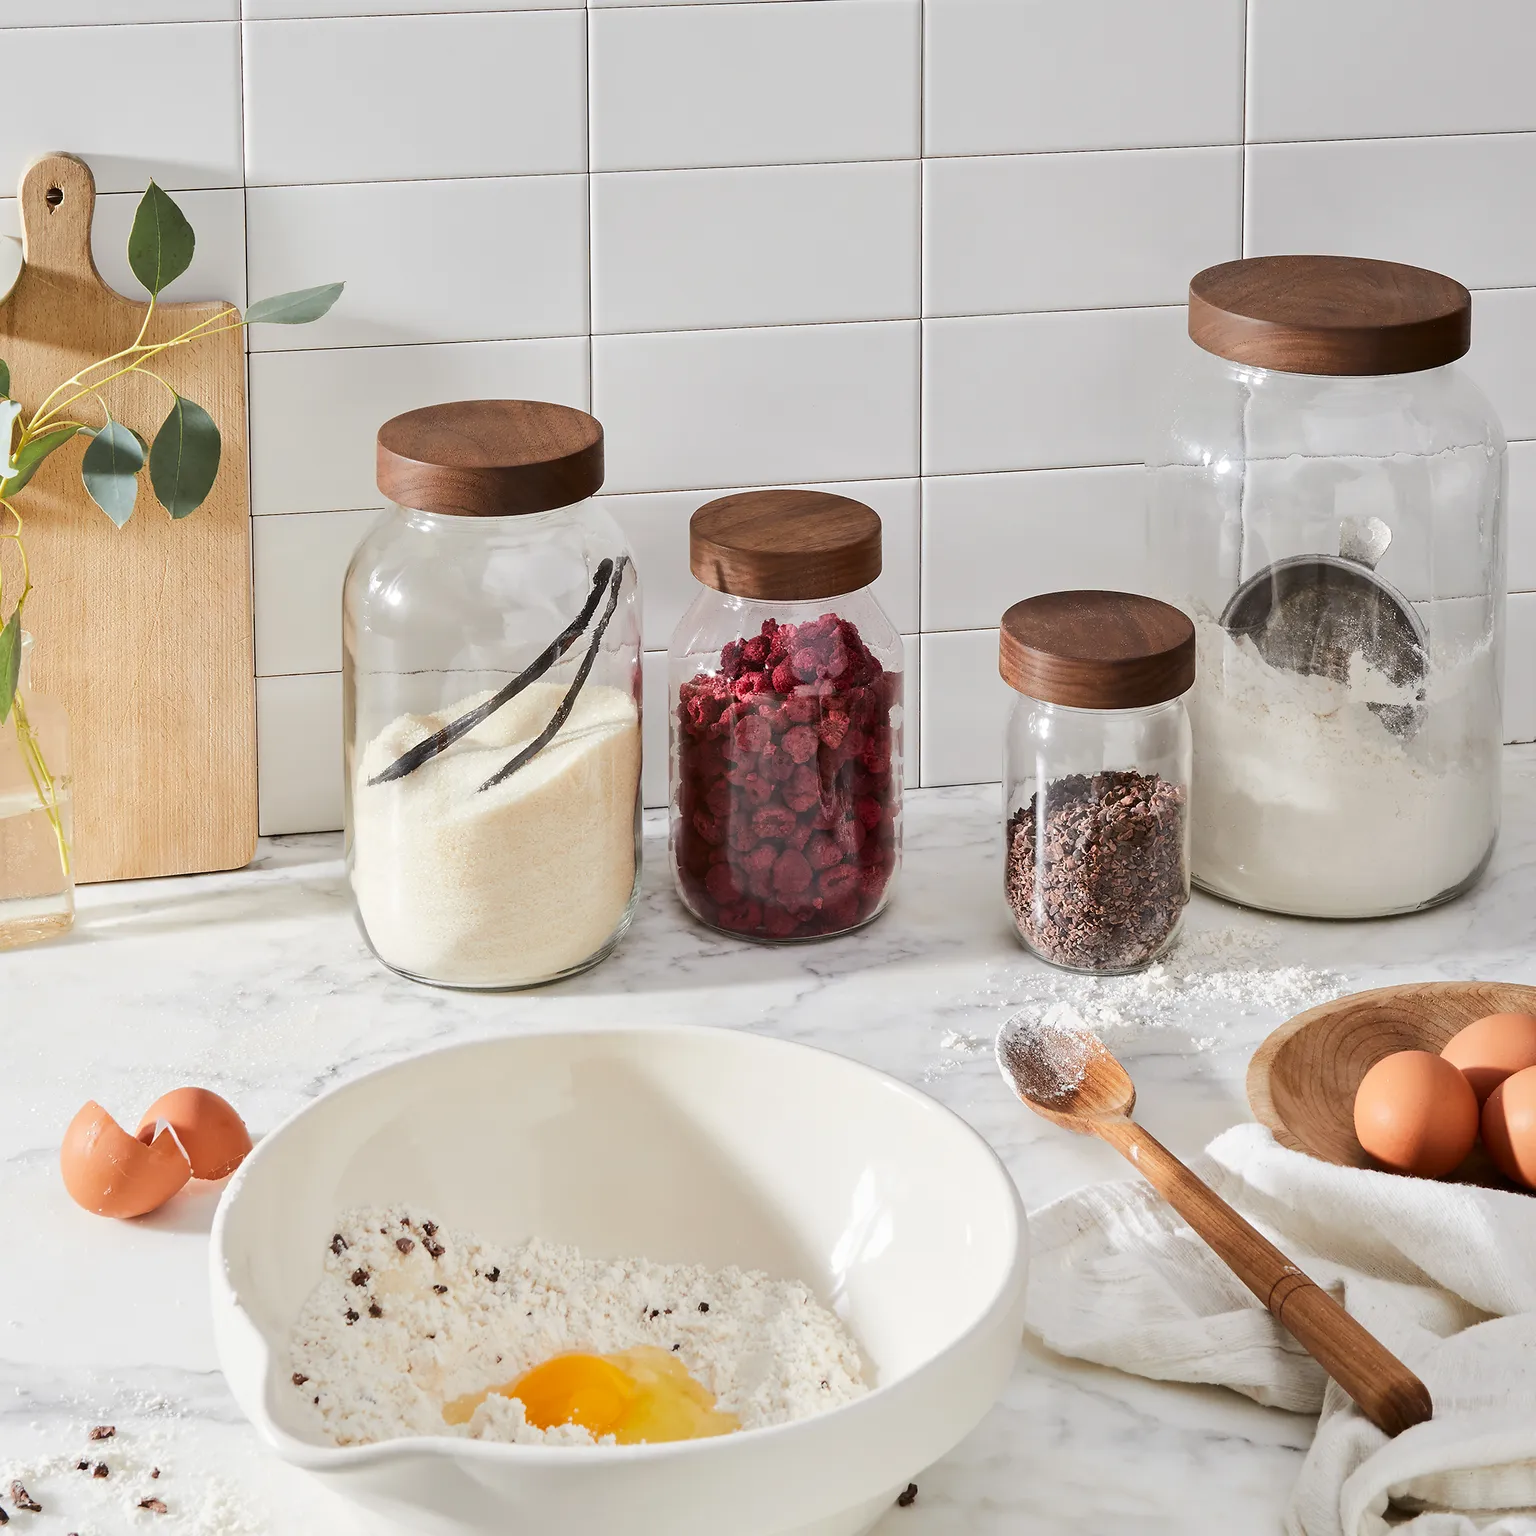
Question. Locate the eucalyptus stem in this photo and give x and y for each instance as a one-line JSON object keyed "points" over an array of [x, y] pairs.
{"points": [[43, 784]]}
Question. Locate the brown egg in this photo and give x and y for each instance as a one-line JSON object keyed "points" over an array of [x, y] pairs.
{"points": [[1416, 1113], [1491, 1049], [112, 1173], [213, 1136], [1509, 1126]]}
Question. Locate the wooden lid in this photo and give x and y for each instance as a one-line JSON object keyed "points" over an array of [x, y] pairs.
{"points": [[490, 458], [1330, 315], [787, 545], [1097, 650]]}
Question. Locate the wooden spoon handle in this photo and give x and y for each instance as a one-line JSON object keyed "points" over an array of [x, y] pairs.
{"points": [[1389, 1394]]}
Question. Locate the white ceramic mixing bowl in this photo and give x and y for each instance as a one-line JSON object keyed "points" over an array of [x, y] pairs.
{"points": [[704, 1146]]}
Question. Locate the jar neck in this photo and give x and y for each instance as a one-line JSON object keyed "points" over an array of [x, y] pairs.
{"points": [[1148, 712]]}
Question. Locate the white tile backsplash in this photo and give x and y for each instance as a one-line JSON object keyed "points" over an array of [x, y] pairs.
{"points": [[402, 98], [777, 406], [1015, 76], [728, 196], [1045, 391], [315, 415], [776, 245], [780, 83], [989, 540], [1354, 69], [69, 88], [1028, 232], [466, 260], [1371, 197]]}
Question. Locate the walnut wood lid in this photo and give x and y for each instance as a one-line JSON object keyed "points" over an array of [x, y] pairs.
{"points": [[490, 458], [1097, 650], [785, 545], [1330, 315]]}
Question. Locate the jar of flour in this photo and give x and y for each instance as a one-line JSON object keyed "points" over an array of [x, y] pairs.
{"points": [[491, 694], [1328, 506]]}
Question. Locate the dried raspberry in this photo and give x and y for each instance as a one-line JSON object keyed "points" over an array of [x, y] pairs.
{"points": [[806, 663], [849, 836], [837, 882], [842, 913], [752, 733], [800, 743], [779, 924], [760, 881], [773, 821], [791, 874], [710, 828], [784, 678], [799, 837], [748, 684], [776, 764], [743, 836], [802, 789], [867, 810], [761, 859], [873, 880], [742, 918], [723, 884], [822, 852], [718, 799], [755, 651], [756, 789]]}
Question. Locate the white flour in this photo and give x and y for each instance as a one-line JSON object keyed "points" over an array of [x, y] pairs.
{"points": [[1303, 801], [766, 1348], [516, 884]]}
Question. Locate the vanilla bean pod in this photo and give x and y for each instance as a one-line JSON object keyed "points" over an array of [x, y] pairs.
{"points": [[568, 703], [439, 741]]}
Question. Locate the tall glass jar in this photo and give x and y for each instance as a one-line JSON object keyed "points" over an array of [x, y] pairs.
{"points": [[1328, 499], [786, 692], [1096, 777], [37, 886], [491, 625]]}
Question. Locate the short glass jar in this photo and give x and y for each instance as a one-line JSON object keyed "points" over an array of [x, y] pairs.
{"points": [[1328, 505], [1096, 777], [491, 687], [786, 690]]}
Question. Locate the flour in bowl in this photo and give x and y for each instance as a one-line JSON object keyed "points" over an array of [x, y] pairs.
{"points": [[409, 1317]]}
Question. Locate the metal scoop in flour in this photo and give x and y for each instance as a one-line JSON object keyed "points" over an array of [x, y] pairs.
{"points": [[1312, 613]]}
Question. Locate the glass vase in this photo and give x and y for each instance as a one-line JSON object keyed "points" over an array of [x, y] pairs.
{"points": [[37, 886]]}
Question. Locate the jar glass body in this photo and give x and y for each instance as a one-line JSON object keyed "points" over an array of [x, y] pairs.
{"points": [[786, 763], [1096, 831], [1344, 782], [458, 880], [37, 887]]}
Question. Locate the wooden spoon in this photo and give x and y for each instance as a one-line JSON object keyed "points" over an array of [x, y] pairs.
{"points": [[1069, 1076]]}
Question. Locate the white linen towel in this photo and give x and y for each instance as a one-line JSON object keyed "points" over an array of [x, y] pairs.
{"points": [[1443, 1274]]}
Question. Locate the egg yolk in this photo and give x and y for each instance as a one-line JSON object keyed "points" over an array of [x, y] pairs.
{"points": [[636, 1395]]}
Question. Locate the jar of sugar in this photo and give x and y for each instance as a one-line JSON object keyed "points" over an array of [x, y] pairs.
{"points": [[1096, 776], [786, 693], [491, 700], [1328, 505]]}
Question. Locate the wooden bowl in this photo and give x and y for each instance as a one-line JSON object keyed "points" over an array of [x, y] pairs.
{"points": [[1302, 1079]]}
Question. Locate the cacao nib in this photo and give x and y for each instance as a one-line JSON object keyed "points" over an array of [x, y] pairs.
{"points": [[789, 783]]}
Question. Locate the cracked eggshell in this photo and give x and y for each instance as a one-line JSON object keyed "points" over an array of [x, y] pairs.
{"points": [[213, 1136], [111, 1173]]}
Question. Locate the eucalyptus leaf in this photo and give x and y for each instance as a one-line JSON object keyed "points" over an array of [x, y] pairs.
{"points": [[25, 463], [10, 662], [110, 470], [5, 377], [161, 242], [184, 458], [297, 308]]}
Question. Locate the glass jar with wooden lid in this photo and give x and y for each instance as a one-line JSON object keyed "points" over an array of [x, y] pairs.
{"points": [[1328, 506], [786, 691], [491, 688], [1096, 777]]}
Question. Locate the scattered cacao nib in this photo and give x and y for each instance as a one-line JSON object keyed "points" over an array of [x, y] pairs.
{"points": [[375, 1310], [154, 1506], [101, 1470], [434, 1247], [826, 1386], [102, 1432], [299, 1378], [155, 1471], [338, 1244], [24, 1500], [789, 783], [703, 1306], [5, 1519], [431, 1335], [404, 1244], [907, 1497], [82, 1466], [359, 1276], [675, 1348], [430, 1228], [440, 1290], [493, 1275], [668, 1312], [317, 1402], [1096, 874], [350, 1316], [655, 1313]]}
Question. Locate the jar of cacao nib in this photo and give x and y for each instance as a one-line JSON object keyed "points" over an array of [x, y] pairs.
{"points": [[1096, 772], [785, 677]]}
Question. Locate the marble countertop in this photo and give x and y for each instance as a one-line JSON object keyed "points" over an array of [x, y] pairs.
{"points": [[257, 984]]}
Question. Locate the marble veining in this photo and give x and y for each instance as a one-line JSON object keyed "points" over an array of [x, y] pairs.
{"points": [[258, 984]]}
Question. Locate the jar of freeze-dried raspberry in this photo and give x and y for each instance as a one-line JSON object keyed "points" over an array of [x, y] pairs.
{"points": [[786, 681]]}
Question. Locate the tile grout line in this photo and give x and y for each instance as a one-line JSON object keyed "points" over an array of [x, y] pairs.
{"points": [[922, 358]]}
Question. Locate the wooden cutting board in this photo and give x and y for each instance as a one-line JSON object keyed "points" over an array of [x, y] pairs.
{"points": [[143, 632]]}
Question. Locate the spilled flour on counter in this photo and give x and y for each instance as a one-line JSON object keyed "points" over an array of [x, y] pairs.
{"points": [[408, 1317]]}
